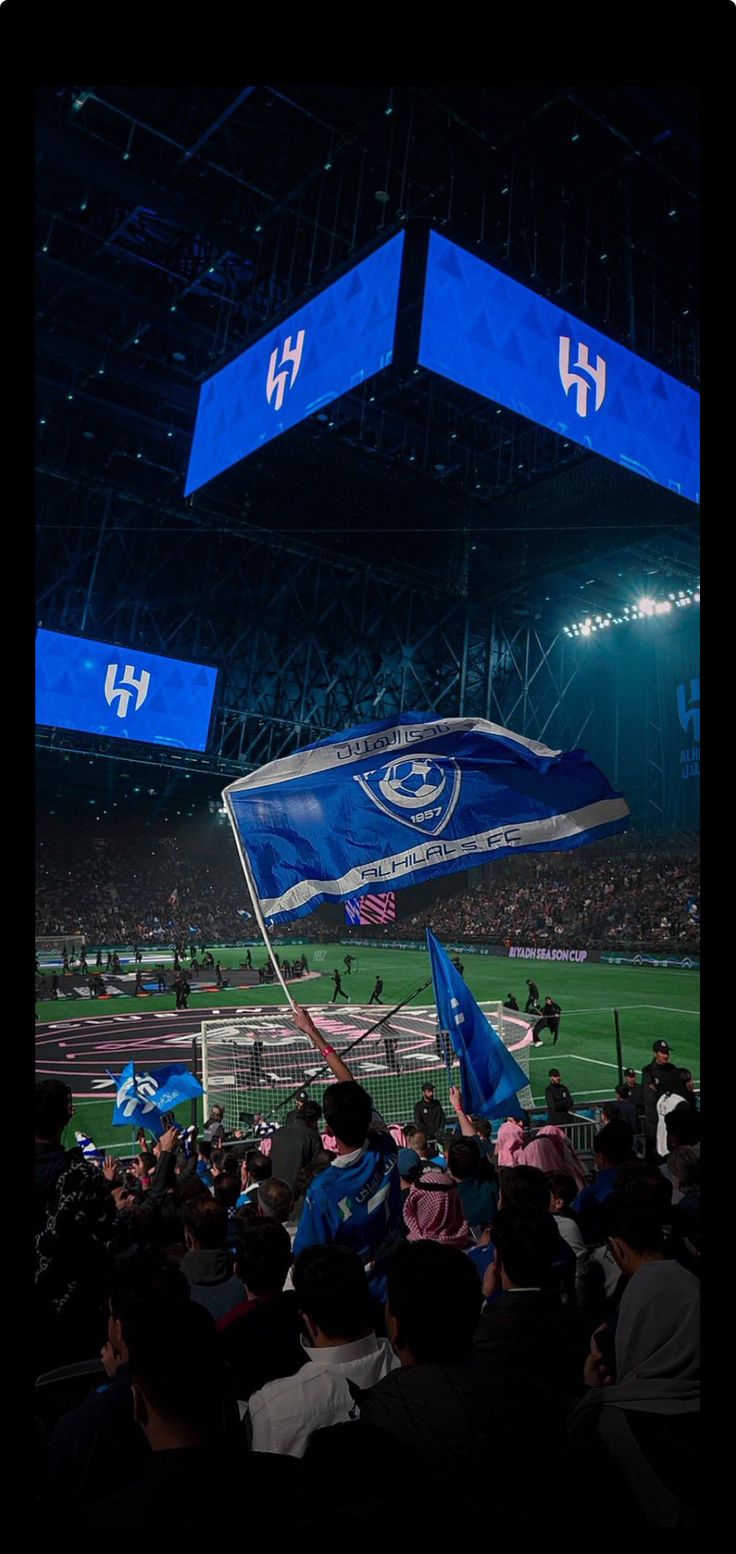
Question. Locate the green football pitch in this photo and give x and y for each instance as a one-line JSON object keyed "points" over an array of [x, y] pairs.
{"points": [[653, 1003]]}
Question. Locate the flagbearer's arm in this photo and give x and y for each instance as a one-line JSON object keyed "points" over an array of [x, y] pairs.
{"points": [[164, 1172], [304, 1022], [456, 1102]]}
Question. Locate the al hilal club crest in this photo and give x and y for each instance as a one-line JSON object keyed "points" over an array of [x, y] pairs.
{"points": [[419, 791]]}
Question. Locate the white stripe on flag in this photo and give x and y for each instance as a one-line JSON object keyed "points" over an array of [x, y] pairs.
{"points": [[402, 737], [527, 833]]}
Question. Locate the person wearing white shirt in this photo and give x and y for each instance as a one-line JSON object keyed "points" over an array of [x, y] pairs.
{"points": [[332, 1289]]}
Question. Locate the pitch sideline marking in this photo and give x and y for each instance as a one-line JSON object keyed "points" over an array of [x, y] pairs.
{"points": [[609, 1008], [600, 1061]]}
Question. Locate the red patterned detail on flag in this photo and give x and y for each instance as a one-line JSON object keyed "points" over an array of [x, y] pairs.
{"points": [[377, 909]]}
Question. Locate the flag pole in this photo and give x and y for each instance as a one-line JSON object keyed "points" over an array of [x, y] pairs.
{"points": [[253, 893]]}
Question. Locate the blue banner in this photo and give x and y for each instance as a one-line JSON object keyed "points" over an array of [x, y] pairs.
{"points": [[131, 1109], [491, 1075], [401, 801], [142, 1099], [678, 674], [169, 1085], [326, 348], [486, 331], [122, 693]]}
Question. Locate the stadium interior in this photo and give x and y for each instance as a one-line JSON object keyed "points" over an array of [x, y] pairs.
{"points": [[411, 545]]}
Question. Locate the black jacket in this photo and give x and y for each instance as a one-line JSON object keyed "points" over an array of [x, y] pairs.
{"points": [[559, 1103], [429, 1116], [264, 1344], [77, 1232], [293, 1148], [529, 1338], [635, 1093], [197, 1477], [660, 1079], [429, 1417], [95, 1449]]}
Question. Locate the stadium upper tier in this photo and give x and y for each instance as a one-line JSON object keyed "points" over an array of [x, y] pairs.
{"points": [[127, 883]]}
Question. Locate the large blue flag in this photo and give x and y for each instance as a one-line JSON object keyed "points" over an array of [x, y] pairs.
{"points": [[398, 802], [490, 1074]]}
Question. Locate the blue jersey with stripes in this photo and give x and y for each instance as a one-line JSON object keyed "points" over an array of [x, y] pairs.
{"points": [[356, 1202]]}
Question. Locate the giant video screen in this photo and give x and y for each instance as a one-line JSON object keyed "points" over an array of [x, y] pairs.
{"points": [[123, 693]]}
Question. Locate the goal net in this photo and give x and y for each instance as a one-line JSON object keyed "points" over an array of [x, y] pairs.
{"points": [[257, 1063], [50, 947]]}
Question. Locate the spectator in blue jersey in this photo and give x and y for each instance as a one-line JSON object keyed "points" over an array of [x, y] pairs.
{"points": [[356, 1202], [476, 1180], [204, 1163]]}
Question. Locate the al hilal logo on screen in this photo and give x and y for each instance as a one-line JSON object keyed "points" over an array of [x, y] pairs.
{"points": [[597, 376], [123, 693], [420, 792], [288, 367]]}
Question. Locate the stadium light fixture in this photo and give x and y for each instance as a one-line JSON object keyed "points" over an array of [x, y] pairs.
{"points": [[644, 608]]}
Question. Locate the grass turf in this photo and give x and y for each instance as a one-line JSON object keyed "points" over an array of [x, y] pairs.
{"points": [[653, 1003]]}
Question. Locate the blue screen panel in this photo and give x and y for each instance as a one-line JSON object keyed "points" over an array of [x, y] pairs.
{"points": [[337, 340], [122, 692], [483, 330]]}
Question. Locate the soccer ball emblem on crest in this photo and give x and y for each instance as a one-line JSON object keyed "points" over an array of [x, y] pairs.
{"points": [[420, 791], [412, 783]]}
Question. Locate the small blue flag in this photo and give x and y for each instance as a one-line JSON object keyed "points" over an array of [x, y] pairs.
{"points": [[408, 799], [491, 1076], [131, 1107], [89, 1150]]}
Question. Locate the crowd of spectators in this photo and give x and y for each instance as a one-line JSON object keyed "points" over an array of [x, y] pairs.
{"points": [[331, 1338], [644, 899], [127, 884]]}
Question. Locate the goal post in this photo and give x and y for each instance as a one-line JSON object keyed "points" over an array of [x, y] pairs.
{"points": [[256, 1063]]}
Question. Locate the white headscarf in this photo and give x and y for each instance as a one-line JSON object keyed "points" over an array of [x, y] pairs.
{"points": [[657, 1344]]}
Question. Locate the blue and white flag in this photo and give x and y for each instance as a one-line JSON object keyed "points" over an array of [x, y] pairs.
{"points": [[132, 1109], [89, 1150], [401, 801], [490, 1074], [143, 1098], [168, 1086]]}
